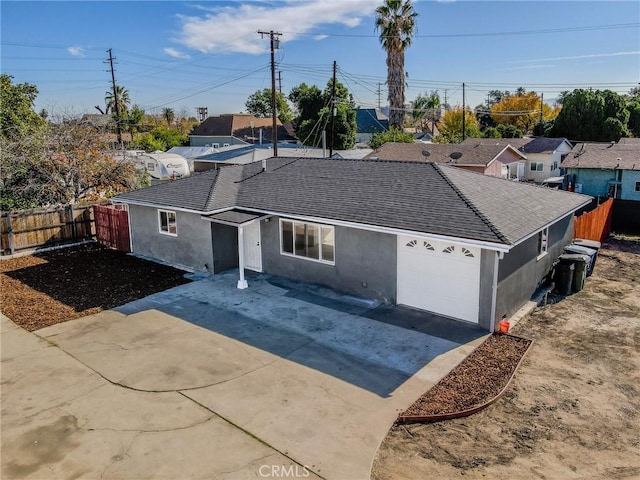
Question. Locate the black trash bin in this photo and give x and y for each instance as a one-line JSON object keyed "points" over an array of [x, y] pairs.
{"points": [[580, 250], [579, 263], [589, 244], [564, 278]]}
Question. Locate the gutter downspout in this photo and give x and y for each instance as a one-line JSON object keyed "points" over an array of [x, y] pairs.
{"points": [[494, 289], [242, 283]]}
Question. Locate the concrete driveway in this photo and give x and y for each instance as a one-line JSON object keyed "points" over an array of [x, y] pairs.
{"points": [[282, 380]]}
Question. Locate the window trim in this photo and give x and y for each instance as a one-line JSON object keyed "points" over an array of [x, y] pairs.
{"points": [[533, 166], [637, 186], [175, 222], [319, 226], [543, 243]]}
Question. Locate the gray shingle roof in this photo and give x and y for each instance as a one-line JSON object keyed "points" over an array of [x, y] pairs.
{"points": [[191, 193], [525, 145], [420, 197], [471, 154], [515, 209], [625, 156]]}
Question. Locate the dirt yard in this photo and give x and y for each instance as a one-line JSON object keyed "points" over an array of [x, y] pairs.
{"points": [[573, 411], [52, 287]]}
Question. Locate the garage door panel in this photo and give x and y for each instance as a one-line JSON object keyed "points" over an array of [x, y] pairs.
{"points": [[444, 278]]}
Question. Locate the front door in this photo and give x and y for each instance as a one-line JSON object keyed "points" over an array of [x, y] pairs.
{"points": [[252, 249]]}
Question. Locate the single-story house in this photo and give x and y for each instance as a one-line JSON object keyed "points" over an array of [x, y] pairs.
{"points": [[239, 129], [428, 236], [543, 155], [502, 161], [605, 169], [368, 122]]}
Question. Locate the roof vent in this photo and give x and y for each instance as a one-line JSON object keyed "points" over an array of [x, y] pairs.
{"points": [[455, 155], [426, 153]]}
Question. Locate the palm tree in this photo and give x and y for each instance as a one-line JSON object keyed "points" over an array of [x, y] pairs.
{"points": [[121, 97], [168, 115], [396, 22]]}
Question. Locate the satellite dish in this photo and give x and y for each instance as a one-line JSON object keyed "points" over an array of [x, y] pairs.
{"points": [[426, 153], [456, 155]]}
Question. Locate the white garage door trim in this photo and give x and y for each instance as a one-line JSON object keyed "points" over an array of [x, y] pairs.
{"points": [[440, 277]]}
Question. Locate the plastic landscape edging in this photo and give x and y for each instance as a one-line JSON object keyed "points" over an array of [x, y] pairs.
{"points": [[436, 417]]}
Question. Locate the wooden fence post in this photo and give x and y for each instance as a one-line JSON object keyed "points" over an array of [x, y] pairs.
{"points": [[10, 232], [74, 231]]}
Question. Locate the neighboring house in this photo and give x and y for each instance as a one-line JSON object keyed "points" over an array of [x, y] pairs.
{"points": [[502, 161], [605, 169], [368, 122], [254, 153], [239, 129], [432, 237], [544, 155]]}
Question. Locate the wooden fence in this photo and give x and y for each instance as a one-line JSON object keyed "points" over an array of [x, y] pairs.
{"points": [[43, 227], [112, 226], [596, 224]]}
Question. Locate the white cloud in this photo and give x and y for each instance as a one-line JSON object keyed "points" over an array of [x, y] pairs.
{"points": [[234, 28], [175, 53], [320, 37], [579, 57], [76, 51]]}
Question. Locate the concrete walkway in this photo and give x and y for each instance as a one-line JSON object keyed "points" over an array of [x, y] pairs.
{"points": [[207, 381]]}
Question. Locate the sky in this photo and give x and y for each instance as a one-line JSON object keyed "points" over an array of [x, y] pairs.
{"points": [[185, 55]]}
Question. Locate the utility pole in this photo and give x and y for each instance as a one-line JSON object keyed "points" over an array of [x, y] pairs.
{"points": [[333, 109], [274, 43], [379, 94], [541, 103], [445, 99], [464, 117], [280, 81], [115, 99]]}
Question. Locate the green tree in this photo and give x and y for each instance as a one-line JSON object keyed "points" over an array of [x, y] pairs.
{"points": [[169, 115], [396, 22], [310, 122], [259, 104], [307, 101], [17, 114], [121, 97], [135, 119], [597, 116], [424, 107], [491, 132], [451, 126], [509, 131], [160, 138], [392, 135]]}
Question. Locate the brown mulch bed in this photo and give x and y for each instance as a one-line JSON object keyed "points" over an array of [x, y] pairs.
{"points": [[476, 380], [52, 287]]}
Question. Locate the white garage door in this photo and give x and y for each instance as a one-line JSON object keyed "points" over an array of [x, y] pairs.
{"points": [[439, 277]]}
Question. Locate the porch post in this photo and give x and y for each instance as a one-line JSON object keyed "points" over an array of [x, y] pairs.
{"points": [[242, 283]]}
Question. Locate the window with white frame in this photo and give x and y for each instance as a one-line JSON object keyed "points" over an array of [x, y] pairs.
{"points": [[543, 241], [307, 240], [537, 166], [167, 222]]}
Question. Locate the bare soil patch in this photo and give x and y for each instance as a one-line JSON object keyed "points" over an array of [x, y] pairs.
{"points": [[52, 287], [573, 409]]}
